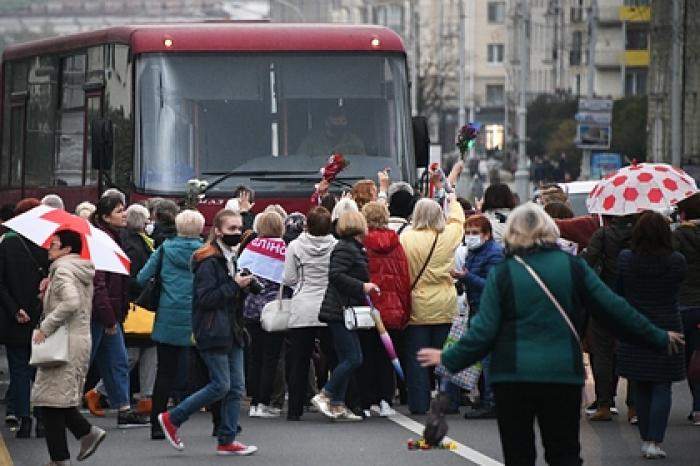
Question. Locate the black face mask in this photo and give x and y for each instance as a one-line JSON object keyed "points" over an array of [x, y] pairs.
{"points": [[231, 240]]}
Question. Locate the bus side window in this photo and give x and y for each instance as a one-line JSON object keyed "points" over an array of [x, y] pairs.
{"points": [[70, 131]]}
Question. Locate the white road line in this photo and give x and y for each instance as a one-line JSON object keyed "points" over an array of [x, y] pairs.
{"points": [[462, 450]]}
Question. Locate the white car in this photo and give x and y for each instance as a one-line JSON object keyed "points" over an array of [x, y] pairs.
{"points": [[578, 192]]}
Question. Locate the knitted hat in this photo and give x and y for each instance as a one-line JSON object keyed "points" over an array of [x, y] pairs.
{"points": [[401, 204]]}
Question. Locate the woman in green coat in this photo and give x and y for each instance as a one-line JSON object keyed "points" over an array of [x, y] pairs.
{"points": [[537, 362]]}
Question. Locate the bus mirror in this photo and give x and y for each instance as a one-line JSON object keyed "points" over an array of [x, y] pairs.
{"points": [[102, 134], [421, 141]]}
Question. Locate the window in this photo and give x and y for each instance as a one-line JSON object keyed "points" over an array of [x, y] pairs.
{"points": [[637, 2], [494, 94], [71, 124], [41, 121], [637, 37], [635, 82], [390, 16], [497, 12], [495, 53]]}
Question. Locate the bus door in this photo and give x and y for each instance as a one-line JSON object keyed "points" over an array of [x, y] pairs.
{"points": [[18, 125], [93, 115]]}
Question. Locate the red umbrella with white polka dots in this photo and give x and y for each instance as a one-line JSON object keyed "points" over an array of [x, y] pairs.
{"points": [[639, 187]]}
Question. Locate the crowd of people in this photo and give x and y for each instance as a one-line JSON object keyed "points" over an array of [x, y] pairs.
{"points": [[527, 278]]}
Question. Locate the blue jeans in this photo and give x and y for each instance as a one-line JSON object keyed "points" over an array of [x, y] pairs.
{"points": [[109, 353], [21, 376], [226, 383], [417, 377], [653, 403], [349, 353]]}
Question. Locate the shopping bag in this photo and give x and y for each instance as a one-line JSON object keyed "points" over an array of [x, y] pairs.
{"points": [[466, 378], [139, 321]]}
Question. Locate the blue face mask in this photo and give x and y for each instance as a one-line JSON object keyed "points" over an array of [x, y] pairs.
{"points": [[472, 241]]}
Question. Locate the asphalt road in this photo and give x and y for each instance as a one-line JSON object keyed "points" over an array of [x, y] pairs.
{"points": [[377, 441]]}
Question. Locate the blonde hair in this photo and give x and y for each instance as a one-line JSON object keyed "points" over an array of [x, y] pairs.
{"points": [[189, 223], [528, 226], [376, 214], [277, 209], [86, 206], [351, 223], [427, 215], [269, 224], [344, 205]]}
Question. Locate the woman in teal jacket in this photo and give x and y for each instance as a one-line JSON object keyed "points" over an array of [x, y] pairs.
{"points": [[172, 330], [536, 360]]}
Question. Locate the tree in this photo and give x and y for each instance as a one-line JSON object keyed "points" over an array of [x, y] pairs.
{"points": [[630, 127], [544, 117]]}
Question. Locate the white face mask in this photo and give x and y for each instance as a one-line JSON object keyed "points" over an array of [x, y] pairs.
{"points": [[149, 229], [472, 241]]}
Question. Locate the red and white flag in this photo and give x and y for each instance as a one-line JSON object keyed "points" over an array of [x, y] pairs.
{"points": [[264, 257]]}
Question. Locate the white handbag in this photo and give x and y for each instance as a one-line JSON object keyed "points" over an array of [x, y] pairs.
{"points": [[275, 314], [358, 317], [53, 351]]}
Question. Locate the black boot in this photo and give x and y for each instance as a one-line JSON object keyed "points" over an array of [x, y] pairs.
{"points": [[40, 429], [25, 427]]}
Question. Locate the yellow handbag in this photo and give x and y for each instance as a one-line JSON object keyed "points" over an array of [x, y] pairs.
{"points": [[139, 321]]}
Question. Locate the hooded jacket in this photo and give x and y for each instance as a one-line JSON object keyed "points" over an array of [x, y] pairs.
{"points": [[217, 310], [19, 287], [605, 246], [686, 240], [173, 325], [306, 268], [110, 301], [67, 302], [388, 269], [434, 298]]}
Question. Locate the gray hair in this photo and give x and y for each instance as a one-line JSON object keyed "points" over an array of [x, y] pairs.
{"points": [[53, 200], [136, 217], [165, 211], [85, 206], [114, 192], [189, 223], [343, 205], [528, 226], [397, 186], [427, 214]]}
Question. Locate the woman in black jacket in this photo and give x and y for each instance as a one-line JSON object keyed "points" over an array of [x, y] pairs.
{"points": [[348, 284], [217, 325], [650, 274]]}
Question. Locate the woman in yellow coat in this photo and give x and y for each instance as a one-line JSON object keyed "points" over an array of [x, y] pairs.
{"points": [[430, 248]]}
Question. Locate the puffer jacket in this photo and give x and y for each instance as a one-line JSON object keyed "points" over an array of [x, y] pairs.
{"points": [[306, 268], [651, 284], [173, 325], [347, 275], [434, 298], [67, 302], [217, 306], [111, 301], [479, 263], [686, 240], [605, 246], [388, 269]]}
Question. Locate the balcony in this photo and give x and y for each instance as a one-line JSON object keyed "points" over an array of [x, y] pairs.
{"points": [[635, 14], [608, 59], [636, 58]]}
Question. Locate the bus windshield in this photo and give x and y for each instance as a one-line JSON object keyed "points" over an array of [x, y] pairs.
{"points": [[203, 115]]}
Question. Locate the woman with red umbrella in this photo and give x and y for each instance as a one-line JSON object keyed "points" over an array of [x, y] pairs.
{"points": [[109, 306]]}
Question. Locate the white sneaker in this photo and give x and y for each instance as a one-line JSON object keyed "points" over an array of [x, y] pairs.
{"points": [[645, 448], [367, 413], [253, 411], [654, 452], [323, 404], [385, 410], [267, 412], [347, 415]]}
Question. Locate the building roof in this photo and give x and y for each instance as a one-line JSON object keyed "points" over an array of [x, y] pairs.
{"points": [[222, 37]]}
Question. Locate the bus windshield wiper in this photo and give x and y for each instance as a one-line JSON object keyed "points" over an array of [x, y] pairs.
{"points": [[253, 174]]}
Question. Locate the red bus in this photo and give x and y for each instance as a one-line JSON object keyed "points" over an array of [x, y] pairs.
{"points": [[146, 108]]}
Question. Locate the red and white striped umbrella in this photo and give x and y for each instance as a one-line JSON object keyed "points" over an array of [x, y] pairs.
{"points": [[41, 223], [639, 187]]}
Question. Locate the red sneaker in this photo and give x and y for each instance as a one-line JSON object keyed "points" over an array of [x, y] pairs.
{"points": [[170, 431], [236, 448]]}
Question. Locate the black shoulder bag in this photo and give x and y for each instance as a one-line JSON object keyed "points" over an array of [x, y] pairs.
{"points": [[430, 255], [150, 295]]}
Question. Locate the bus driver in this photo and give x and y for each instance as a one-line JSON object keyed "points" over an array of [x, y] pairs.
{"points": [[334, 137]]}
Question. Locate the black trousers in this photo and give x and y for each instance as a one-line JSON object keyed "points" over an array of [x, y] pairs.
{"points": [[603, 363], [264, 354], [302, 342], [376, 378], [556, 407], [166, 375], [56, 420]]}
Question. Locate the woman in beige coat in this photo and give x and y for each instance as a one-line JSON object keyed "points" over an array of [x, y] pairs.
{"points": [[57, 389]]}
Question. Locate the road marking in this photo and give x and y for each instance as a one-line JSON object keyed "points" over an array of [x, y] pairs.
{"points": [[462, 450], [5, 458]]}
